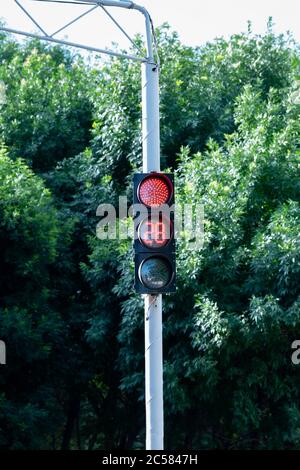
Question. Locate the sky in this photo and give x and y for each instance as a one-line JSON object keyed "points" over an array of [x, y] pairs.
{"points": [[196, 21]]}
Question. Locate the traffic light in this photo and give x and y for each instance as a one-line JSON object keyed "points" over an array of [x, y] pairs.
{"points": [[154, 241]]}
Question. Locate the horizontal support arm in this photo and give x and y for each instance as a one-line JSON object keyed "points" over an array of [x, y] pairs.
{"points": [[72, 44], [113, 3]]}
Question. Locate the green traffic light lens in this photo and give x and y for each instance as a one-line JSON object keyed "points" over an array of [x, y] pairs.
{"points": [[155, 272]]}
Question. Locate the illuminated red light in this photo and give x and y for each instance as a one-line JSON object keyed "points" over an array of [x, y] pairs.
{"points": [[154, 191]]}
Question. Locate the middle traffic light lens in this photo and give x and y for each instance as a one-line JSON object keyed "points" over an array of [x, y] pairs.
{"points": [[155, 231], [154, 191], [155, 272]]}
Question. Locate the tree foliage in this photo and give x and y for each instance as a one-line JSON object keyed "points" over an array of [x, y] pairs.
{"points": [[47, 113], [68, 313]]}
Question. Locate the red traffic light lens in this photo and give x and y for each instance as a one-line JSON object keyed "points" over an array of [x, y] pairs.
{"points": [[154, 191], [155, 231]]}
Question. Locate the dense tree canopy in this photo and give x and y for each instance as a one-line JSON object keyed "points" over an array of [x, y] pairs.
{"points": [[73, 325], [48, 113]]}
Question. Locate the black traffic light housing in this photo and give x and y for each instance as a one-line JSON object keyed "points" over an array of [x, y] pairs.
{"points": [[154, 233]]}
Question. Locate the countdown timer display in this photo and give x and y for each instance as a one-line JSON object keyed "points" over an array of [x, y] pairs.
{"points": [[155, 231]]}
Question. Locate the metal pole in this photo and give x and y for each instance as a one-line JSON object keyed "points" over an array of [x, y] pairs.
{"points": [[153, 304], [154, 373], [150, 126]]}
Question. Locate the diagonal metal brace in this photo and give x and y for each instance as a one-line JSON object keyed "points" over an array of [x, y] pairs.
{"points": [[74, 21], [31, 17]]}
